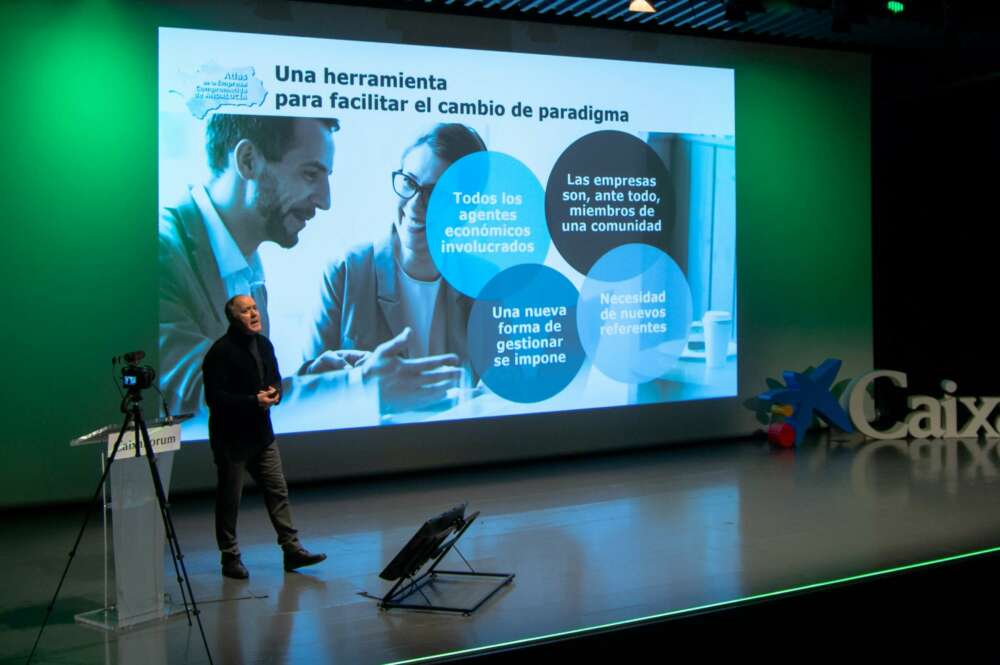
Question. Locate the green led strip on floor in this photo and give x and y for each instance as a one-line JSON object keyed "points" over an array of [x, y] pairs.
{"points": [[690, 610]]}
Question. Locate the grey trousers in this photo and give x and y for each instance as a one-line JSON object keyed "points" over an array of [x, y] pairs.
{"points": [[265, 468]]}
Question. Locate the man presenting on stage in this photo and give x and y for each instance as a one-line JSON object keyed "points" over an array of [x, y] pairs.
{"points": [[242, 383]]}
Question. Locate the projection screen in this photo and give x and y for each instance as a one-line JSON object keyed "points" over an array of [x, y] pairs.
{"points": [[437, 234]]}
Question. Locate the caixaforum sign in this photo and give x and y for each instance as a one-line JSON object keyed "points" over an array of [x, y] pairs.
{"points": [[162, 439], [928, 417]]}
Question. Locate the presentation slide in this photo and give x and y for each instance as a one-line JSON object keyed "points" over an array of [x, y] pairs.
{"points": [[434, 234]]}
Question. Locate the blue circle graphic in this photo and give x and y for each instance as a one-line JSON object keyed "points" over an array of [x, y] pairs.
{"points": [[523, 338], [634, 313], [486, 214]]}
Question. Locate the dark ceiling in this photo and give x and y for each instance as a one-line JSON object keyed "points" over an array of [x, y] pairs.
{"points": [[867, 25]]}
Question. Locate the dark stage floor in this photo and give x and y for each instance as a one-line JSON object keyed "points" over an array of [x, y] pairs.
{"points": [[592, 541]]}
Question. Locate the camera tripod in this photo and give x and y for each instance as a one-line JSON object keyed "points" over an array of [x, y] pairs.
{"points": [[131, 406]]}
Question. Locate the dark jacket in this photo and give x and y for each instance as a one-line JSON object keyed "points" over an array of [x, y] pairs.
{"points": [[236, 423]]}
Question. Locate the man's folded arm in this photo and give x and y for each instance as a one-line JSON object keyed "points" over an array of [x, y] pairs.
{"points": [[218, 393]]}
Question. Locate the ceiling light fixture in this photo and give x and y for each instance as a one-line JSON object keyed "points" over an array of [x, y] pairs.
{"points": [[643, 6]]}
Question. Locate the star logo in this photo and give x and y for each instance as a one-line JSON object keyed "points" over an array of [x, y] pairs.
{"points": [[809, 394]]}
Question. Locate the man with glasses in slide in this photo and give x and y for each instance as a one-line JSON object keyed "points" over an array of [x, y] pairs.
{"points": [[392, 287]]}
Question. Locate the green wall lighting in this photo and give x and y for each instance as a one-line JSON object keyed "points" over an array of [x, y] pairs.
{"points": [[895, 6]]}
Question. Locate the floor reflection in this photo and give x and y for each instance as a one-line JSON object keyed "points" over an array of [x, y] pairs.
{"points": [[592, 541]]}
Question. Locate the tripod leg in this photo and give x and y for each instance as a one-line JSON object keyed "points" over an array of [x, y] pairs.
{"points": [[140, 431], [79, 536], [168, 524]]}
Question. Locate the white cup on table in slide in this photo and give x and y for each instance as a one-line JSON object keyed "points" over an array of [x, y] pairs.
{"points": [[718, 330]]}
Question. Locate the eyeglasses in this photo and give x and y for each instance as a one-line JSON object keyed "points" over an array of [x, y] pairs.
{"points": [[406, 187]]}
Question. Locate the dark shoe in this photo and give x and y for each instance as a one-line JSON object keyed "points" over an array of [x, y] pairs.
{"points": [[300, 557], [233, 567]]}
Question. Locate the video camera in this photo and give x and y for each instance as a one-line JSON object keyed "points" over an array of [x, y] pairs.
{"points": [[135, 377]]}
